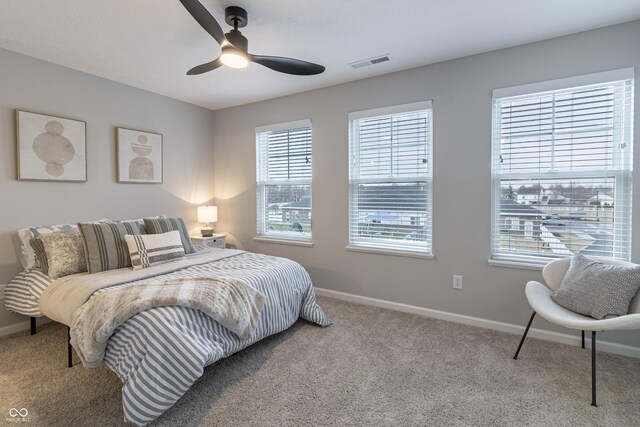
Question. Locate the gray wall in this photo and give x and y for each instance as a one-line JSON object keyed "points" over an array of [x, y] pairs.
{"points": [[30, 84], [461, 94]]}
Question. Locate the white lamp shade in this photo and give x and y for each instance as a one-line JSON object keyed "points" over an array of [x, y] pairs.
{"points": [[207, 213]]}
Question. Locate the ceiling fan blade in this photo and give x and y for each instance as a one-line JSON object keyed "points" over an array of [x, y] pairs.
{"points": [[205, 68], [288, 65], [205, 19]]}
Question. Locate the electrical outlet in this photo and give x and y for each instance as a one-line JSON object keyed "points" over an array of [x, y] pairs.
{"points": [[457, 282]]}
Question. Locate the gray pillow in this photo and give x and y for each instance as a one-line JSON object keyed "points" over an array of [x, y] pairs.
{"points": [[28, 257], [140, 221], [41, 254], [596, 289], [164, 225], [64, 253], [104, 245]]}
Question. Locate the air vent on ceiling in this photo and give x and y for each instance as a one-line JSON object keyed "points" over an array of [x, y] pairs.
{"points": [[370, 61]]}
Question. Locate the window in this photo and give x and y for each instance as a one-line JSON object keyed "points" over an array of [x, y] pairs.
{"points": [[562, 155], [390, 179], [284, 180]]}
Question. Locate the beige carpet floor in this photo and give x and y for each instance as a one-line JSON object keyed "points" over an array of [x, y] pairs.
{"points": [[372, 367]]}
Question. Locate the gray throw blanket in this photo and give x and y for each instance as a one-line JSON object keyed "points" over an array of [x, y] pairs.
{"points": [[233, 304]]}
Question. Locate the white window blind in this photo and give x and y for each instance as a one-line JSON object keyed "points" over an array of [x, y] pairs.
{"points": [[562, 163], [390, 178], [284, 173]]}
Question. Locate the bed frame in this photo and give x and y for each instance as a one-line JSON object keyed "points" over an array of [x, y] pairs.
{"points": [[69, 348]]}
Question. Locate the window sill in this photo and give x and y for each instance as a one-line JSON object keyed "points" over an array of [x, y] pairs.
{"points": [[515, 264], [304, 243], [409, 254]]}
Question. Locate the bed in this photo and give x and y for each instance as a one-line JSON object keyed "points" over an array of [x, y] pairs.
{"points": [[159, 352]]}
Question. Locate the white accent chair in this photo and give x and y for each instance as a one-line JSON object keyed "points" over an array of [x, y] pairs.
{"points": [[539, 297]]}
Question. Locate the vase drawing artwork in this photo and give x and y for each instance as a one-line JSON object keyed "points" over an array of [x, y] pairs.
{"points": [[141, 167], [139, 156], [50, 148]]}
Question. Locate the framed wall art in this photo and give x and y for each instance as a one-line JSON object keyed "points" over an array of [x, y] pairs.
{"points": [[139, 156], [50, 148]]}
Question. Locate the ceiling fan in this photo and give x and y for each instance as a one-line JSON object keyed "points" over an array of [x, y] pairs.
{"points": [[235, 46]]}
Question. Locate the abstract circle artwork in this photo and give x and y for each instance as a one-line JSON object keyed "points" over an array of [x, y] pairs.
{"points": [[50, 148], [53, 148]]}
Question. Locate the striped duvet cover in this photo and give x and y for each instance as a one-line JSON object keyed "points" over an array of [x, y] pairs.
{"points": [[159, 353]]}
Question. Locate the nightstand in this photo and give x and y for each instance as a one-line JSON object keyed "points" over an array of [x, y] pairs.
{"points": [[215, 241]]}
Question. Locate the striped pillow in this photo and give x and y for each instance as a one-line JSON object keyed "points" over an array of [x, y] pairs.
{"points": [[152, 249], [162, 225], [41, 255], [105, 247], [140, 221]]}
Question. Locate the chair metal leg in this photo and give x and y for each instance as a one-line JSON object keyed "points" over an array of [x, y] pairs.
{"points": [[33, 326], [69, 349], [582, 339], [526, 331], [593, 369]]}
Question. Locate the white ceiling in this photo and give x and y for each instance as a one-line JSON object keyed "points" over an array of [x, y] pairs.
{"points": [[150, 44]]}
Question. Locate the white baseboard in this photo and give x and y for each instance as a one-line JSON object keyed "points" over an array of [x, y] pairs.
{"points": [[12, 329], [571, 339], [22, 326]]}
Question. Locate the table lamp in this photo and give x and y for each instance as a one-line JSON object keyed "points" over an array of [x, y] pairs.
{"points": [[207, 214]]}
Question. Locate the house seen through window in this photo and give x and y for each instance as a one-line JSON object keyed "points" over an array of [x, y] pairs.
{"points": [[562, 169], [284, 176], [390, 178]]}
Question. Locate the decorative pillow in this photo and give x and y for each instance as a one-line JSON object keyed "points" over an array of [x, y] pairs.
{"points": [[162, 225], [28, 256], [41, 254], [105, 247], [140, 221], [596, 289], [64, 253], [152, 249]]}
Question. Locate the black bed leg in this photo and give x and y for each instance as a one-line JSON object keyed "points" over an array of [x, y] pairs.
{"points": [[583, 339], [526, 331], [593, 369], [69, 349], [33, 326]]}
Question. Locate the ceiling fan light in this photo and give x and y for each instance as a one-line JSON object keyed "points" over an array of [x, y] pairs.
{"points": [[233, 58]]}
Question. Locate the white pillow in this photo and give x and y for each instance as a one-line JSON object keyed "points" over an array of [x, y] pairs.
{"points": [[27, 255], [147, 250]]}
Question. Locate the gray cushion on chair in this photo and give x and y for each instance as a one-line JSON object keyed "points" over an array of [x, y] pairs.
{"points": [[596, 289]]}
